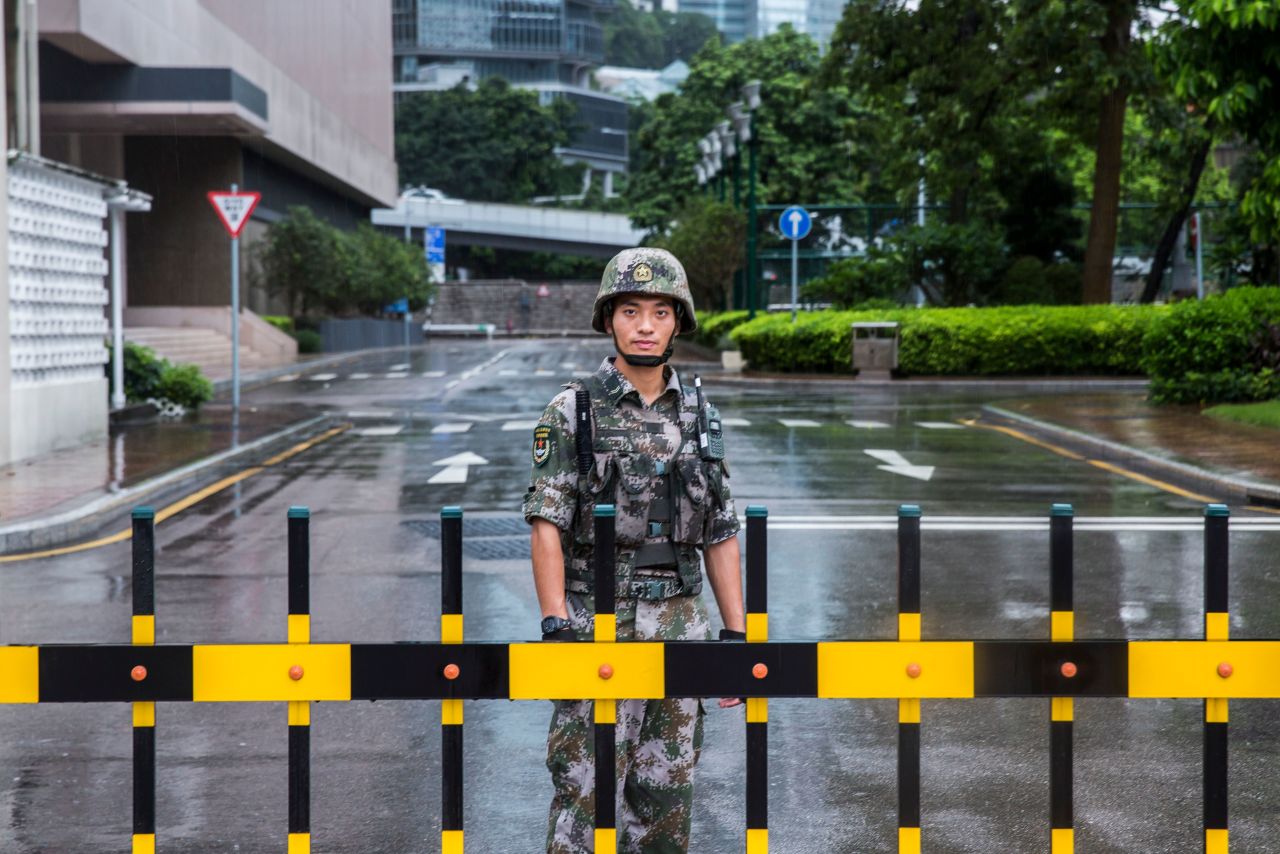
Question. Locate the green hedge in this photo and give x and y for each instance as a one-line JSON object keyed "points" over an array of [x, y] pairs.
{"points": [[712, 327], [1038, 340], [1218, 350]]}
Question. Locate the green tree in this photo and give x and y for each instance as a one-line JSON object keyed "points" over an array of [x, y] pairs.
{"points": [[301, 261], [708, 237], [1221, 56], [493, 143], [319, 269], [804, 132], [637, 39], [380, 269]]}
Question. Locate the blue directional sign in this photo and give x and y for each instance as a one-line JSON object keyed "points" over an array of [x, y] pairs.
{"points": [[400, 306], [795, 223], [435, 244]]}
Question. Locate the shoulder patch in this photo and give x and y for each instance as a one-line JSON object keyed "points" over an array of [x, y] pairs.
{"points": [[541, 444]]}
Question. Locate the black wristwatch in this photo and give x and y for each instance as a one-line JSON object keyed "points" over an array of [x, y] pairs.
{"points": [[553, 624]]}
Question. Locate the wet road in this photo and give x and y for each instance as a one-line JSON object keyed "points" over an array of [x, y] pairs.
{"points": [[803, 452]]}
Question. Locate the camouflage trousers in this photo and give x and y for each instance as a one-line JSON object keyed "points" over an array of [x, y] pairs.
{"points": [[658, 743]]}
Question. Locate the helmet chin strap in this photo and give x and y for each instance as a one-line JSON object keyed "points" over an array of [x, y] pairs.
{"points": [[646, 361]]}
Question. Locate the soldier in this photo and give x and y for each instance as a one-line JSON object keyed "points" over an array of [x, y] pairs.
{"points": [[674, 512]]}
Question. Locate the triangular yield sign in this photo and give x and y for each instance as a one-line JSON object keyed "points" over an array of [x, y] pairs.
{"points": [[233, 208]]}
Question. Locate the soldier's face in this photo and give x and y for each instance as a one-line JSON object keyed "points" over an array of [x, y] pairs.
{"points": [[642, 325]]}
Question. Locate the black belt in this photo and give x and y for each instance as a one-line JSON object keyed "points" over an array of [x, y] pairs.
{"points": [[656, 554]]}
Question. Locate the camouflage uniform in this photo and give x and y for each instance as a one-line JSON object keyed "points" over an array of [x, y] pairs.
{"points": [[633, 444]]}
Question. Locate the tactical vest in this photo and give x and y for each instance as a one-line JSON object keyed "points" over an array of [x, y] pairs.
{"points": [[661, 509]]}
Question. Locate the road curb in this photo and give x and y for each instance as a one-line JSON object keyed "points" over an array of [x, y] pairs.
{"points": [[1145, 461], [89, 517]]}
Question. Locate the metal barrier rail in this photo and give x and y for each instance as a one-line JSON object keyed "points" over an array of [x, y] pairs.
{"points": [[908, 669]]}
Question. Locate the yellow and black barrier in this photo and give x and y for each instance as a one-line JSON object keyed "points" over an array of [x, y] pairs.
{"points": [[909, 669]]}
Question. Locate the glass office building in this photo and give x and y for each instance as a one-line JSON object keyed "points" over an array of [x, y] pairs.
{"points": [[550, 46], [745, 19]]}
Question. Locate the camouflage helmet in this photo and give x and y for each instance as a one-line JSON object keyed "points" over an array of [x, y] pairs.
{"points": [[648, 271]]}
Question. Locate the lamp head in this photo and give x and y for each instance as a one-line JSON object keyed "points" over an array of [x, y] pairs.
{"points": [[751, 94]]}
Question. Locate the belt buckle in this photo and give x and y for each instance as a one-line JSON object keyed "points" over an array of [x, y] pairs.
{"points": [[655, 529], [652, 590]]}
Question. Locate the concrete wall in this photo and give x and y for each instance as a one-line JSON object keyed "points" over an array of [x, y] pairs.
{"points": [[179, 253], [48, 417], [325, 66], [567, 306]]}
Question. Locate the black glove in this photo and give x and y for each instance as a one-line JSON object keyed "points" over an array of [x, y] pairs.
{"points": [[730, 634], [565, 634]]}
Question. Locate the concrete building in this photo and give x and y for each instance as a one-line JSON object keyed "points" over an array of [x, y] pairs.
{"points": [[171, 98], [643, 84], [549, 46]]}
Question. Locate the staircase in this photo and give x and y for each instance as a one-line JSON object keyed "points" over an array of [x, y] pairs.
{"points": [[207, 349]]}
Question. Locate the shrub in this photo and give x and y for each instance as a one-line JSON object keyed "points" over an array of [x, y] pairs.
{"points": [[961, 341], [309, 340], [284, 324], [149, 377], [184, 385], [142, 371], [713, 328], [1215, 350]]}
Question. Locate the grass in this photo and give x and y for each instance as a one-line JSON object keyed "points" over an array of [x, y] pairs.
{"points": [[1265, 414]]}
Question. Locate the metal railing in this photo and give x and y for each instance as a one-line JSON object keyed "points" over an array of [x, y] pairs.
{"points": [[908, 669]]}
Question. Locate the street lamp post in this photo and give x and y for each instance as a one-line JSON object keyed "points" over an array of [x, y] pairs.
{"points": [[751, 102], [726, 140]]}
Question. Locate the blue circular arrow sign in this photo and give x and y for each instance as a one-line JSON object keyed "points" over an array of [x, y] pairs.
{"points": [[795, 223]]}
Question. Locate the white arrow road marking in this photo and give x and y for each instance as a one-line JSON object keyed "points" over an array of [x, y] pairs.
{"points": [[897, 464], [735, 422], [507, 372], [452, 427], [358, 376], [798, 422], [403, 367], [386, 430], [434, 375], [397, 375], [939, 425], [519, 425], [322, 378], [456, 467], [868, 425], [452, 383]]}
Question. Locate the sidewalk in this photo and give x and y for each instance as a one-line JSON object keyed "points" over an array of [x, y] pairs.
{"points": [[66, 495]]}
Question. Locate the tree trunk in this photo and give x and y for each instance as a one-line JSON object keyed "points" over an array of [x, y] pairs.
{"points": [[1106, 172], [1164, 248]]}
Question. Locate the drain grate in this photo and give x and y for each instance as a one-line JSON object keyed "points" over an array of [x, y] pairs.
{"points": [[484, 538]]}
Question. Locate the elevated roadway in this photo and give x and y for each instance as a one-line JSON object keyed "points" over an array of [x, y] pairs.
{"points": [[521, 227]]}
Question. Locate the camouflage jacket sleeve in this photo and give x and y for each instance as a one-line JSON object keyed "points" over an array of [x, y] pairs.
{"points": [[723, 523], [553, 483]]}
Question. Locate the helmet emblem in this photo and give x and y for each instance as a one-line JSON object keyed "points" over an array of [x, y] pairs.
{"points": [[643, 273]]}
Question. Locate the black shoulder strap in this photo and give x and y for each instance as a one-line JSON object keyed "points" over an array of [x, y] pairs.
{"points": [[582, 430]]}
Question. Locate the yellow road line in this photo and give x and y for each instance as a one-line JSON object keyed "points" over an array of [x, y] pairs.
{"points": [[1256, 509], [1105, 466], [1150, 481], [1018, 434], [183, 503]]}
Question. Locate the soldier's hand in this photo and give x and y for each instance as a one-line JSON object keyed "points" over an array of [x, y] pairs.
{"points": [[730, 702], [567, 634]]}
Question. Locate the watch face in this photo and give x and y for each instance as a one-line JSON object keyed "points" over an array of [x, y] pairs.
{"points": [[553, 624]]}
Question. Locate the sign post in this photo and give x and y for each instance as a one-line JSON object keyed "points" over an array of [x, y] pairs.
{"points": [[234, 208], [795, 223]]}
